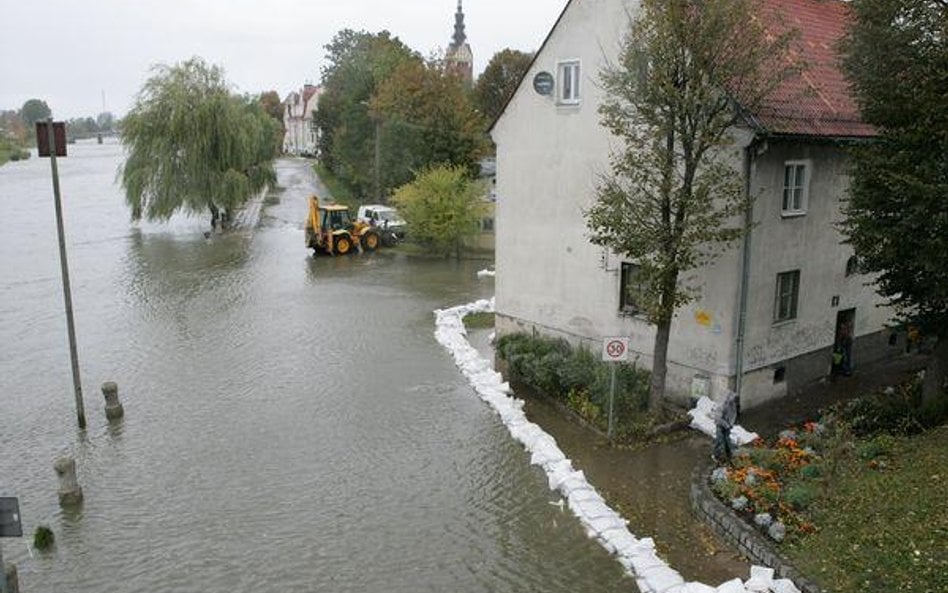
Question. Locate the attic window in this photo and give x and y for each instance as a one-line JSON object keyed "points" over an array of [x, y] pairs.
{"points": [[568, 79]]}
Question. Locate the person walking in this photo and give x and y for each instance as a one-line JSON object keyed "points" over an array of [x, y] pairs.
{"points": [[724, 419]]}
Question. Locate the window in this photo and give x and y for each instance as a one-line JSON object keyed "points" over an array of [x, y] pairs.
{"points": [[628, 289], [569, 82], [788, 292], [852, 266], [796, 187]]}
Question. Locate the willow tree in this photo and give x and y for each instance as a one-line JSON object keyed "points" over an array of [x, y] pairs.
{"points": [[686, 72], [194, 145]]}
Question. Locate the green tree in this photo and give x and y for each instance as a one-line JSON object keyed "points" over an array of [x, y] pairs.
{"points": [[426, 118], [672, 198], [499, 80], [441, 207], [271, 104], [194, 145], [33, 111], [356, 63], [896, 57]]}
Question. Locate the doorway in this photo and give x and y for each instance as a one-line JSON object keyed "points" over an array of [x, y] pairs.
{"points": [[843, 343]]}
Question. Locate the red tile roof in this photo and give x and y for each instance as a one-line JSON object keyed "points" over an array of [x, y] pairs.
{"points": [[818, 102]]}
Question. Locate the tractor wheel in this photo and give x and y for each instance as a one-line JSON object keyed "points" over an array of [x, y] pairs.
{"points": [[342, 245], [389, 239], [370, 241]]}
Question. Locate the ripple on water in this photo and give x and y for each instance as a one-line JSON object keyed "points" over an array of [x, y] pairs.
{"points": [[290, 424]]}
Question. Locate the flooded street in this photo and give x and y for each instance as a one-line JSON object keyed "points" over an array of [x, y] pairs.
{"points": [[291, 423]]}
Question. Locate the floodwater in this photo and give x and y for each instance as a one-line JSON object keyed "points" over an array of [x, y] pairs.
{"points": [[291, 423]]}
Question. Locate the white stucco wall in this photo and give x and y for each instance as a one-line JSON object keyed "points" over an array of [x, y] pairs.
{"points": [[549, 159], [812, 244]]}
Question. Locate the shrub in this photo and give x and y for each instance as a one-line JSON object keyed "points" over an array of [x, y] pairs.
{"points": [[899, 412], [578, 378], [800, 495], [812, 471], [43, 538]]}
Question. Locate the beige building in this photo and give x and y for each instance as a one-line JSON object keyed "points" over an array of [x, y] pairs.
{"points": [[769, 311], [299, 110]]}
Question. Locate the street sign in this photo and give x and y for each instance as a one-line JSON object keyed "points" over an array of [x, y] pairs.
{"points": [[543, 83], [10, 518], [615, 349], [42, 138]]}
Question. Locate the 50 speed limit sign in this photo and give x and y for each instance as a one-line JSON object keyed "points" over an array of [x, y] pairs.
{"points": [[615, 349]]}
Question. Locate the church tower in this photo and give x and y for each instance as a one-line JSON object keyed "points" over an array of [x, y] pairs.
{"points": [[459, 59]]}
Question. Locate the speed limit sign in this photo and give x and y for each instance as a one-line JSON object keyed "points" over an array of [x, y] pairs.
{"points": [[615, 349]]}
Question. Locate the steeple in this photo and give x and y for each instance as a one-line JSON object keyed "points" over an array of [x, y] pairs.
{"points": [[459, 36]]}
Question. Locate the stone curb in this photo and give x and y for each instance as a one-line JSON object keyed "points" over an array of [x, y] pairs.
{"points": [[748, 540]]}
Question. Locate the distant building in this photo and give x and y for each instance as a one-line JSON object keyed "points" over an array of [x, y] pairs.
{"points": [[459, 59], [299, 110]]}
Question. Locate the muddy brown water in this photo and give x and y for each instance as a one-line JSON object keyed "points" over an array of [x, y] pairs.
{"points": [[291, 423]]}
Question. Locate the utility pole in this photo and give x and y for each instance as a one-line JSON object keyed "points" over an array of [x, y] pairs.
{"points": [[3, 572], [56, 145], [378, 158]]}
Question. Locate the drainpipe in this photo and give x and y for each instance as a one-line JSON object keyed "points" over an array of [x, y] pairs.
{"points": [[750, 153]]}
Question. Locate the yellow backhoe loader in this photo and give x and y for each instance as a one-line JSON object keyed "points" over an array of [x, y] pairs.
{"points": [[329, 228]]}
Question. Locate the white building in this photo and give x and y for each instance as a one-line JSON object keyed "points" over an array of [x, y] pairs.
{"points": [[792, 279], [299, 109]]}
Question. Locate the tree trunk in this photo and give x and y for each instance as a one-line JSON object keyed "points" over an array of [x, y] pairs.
{"points": [[215, 216], [656, 390], [935, 373]]}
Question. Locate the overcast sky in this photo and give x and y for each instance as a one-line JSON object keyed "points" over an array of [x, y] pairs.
{"points": [[70, 52]]}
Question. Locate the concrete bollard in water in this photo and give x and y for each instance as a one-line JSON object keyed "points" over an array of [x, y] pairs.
{"points": [[113, 407], [70, 493]]}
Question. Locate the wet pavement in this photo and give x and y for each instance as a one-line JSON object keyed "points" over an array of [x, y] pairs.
{"points": [[769, 419]]}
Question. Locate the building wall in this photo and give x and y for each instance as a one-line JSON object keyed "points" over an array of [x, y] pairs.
{"points": [[551, 279], [812, 244], [549, 157]]}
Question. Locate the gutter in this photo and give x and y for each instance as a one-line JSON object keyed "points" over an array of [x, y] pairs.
{"points": [[756, 148]]}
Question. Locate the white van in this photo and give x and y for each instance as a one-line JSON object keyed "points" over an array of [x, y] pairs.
{"points": [[384, 217]]}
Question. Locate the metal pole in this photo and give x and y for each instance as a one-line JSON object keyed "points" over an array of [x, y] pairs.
{"points": [[67, 293], [612, 397], [3, 573]]}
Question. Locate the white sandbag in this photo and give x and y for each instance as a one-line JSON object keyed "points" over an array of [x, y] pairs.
{"points": [[761, 579], [784, 586], [693, 587], [545, 454], [733, 586], [580, 496], [662, 578]]}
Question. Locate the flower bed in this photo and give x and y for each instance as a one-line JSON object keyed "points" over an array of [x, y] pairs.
{"points": [[772, 484]]}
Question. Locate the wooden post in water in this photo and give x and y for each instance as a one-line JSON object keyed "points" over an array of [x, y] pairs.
{"points": [[52, 149]]}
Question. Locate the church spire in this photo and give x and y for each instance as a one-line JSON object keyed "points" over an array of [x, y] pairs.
{"points": [[459, 36]]}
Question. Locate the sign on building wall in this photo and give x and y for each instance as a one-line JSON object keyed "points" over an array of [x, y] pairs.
{"points": [[543, 83]]}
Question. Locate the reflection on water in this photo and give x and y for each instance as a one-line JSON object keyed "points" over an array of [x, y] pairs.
{"points": [[291, 424]]}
